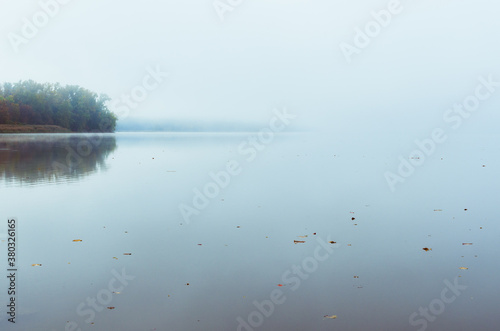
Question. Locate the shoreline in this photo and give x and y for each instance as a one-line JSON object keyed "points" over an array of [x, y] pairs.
{"points": [[32, 128]]}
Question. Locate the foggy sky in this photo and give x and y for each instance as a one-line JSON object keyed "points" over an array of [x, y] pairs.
{"points": [[267, 54]]}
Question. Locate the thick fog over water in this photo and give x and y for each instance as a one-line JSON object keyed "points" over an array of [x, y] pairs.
{"points": [[277, 165], [332, 62]]}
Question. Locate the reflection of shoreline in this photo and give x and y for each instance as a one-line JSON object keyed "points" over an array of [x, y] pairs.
{"points": [[33, 158]]}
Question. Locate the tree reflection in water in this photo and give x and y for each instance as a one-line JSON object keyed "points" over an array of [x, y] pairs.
{"points": [[40, 158]]}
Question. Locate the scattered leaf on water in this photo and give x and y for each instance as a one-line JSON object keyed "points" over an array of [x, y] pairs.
{"points": [[36, 265], [463, 268], [331, 316], [466, 244], [77, 240], [438, 210], [427, 249], [333, 242], [117, 292], [114, 257], [349, 245], [356, 276], [298, 241], [127, 253], [302, 236], [110, 307], [353, 218], [465, 209], [238, 227], [187, 284], [199, 244], [280, 285]]}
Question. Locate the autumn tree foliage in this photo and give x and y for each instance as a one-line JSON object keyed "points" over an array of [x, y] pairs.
{"points": [[71, 107]]}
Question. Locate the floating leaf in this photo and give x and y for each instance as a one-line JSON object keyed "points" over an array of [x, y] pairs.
{"points": [[127, 253], [36, 265], [463, 268], [466, 244], [427, 249], [356, 276], [114, 257], [302, 236], [438, 210], [110, 307], [330, 316], [332, 242], [77, 240], [298, 241]]}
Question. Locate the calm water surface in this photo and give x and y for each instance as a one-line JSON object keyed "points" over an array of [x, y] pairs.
{"points": [[227, 234]]}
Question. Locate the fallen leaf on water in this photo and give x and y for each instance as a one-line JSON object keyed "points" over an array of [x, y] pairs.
{"points": [[199, 244], [427, 249], [356, 276], [466, 244], [280, 285], [36, 265], [353, 218], [330, 316], [298, 241], [127, 253], [302, 236], [110, 307], [117, 292], [114, 257], [187, 283], [77, 240], [333, 242], [463, 268], [349, 245], [438, 210]]}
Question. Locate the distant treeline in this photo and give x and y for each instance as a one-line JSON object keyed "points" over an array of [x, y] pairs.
{"points": [[71, 107]]}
